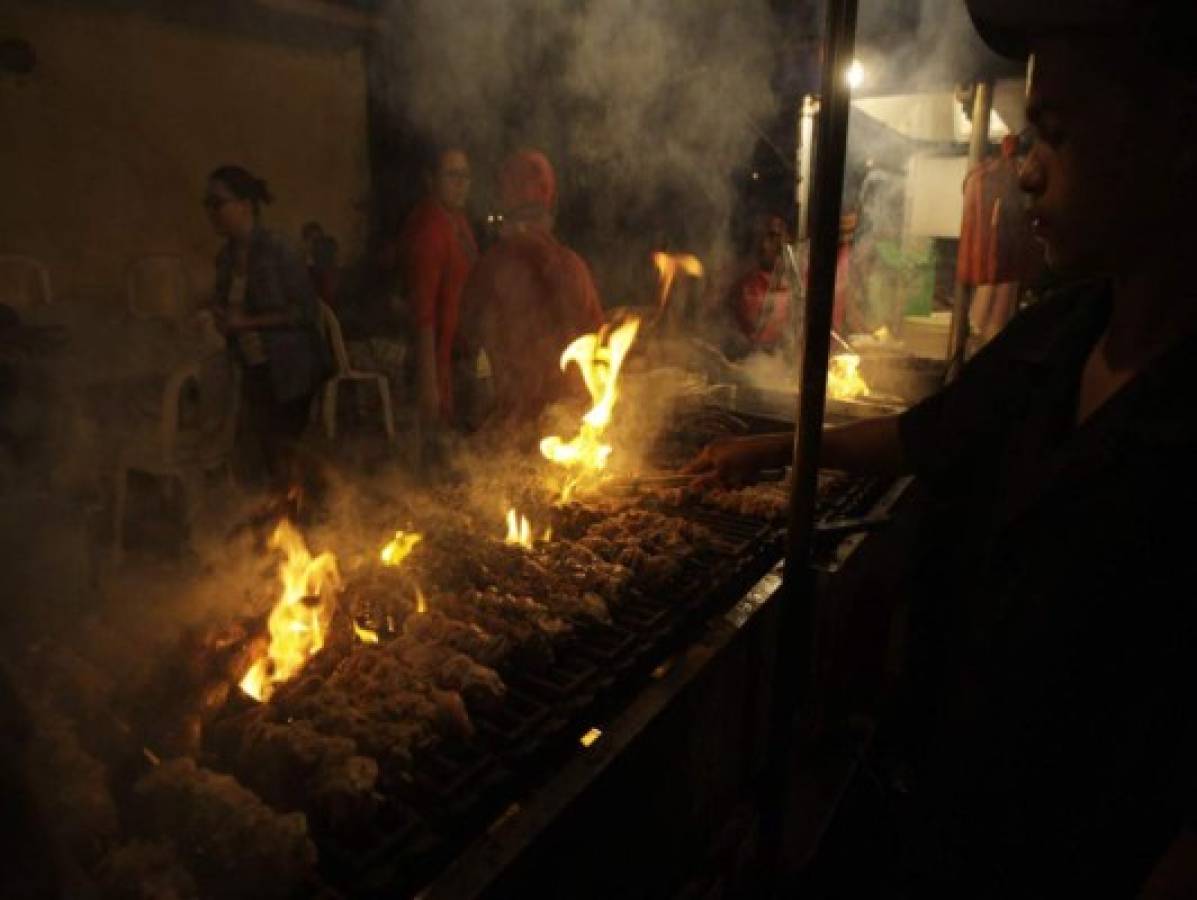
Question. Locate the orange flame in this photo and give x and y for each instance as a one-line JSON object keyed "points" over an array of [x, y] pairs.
{"points": [[599, 357], [365, 635], [519, 530], [300, 618], [668, 265], [421, 603], [844, 381], [399, 547]]}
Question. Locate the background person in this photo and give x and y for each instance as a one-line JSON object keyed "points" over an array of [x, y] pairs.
{"points": [[530, 296], [264, 304], [438, 251]]}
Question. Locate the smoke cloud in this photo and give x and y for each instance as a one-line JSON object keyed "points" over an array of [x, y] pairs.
{"points": [[645, 108]]}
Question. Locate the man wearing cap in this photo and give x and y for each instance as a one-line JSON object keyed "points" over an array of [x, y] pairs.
{"points": [[1052, 707], [530, 296]]}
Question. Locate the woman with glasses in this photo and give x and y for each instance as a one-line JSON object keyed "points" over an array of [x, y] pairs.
{"points": [[265, 307]]}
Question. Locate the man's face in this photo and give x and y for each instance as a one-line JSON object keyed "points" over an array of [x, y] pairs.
{"points": [[1095, 171], [451, 181]]}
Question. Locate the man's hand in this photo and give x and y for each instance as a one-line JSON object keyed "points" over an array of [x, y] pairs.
{"points": [[729, 461]]}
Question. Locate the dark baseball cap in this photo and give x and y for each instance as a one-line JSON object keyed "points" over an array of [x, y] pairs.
{"points": [[1168, 27]]}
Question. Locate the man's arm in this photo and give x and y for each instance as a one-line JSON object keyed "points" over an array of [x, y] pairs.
{"points": [[1175, 875], [872, 446]]}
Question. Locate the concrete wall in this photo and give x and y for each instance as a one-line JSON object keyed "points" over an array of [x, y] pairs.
{"points": [[105, 146], [935, 195]]}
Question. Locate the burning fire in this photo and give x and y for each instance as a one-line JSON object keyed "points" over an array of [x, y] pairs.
{"points": [[843, 378], [399, 547], [396, 550], [599, 357], [519, 530], [365, 635], [300, 618], [668, 265]]}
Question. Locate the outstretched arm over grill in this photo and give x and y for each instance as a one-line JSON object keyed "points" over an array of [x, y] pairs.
{"points": [[872, 446]]}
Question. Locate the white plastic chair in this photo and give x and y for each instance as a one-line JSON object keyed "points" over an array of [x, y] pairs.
{"points": [[24, 282], [183, 456], [346, 374], [156, 286]]}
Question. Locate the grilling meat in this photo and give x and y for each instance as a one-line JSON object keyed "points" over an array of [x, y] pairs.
{"points": [[528, 626], [769, 501], [448, 669], [434, 627], [293, 766], [379, 703], [652, 546], [71, 786], [235, 845], [146, 870]]}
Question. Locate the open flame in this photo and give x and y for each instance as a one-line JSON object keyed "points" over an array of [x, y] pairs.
{"points": [[421, 603], [668, 265], [844, 381], [519, 530], [300, 618], [599, 357], [399, 547], [365, 635]]}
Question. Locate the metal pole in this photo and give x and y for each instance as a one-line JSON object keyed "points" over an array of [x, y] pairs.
{"points": [[806, 133], [977, 146], [794, 675]]}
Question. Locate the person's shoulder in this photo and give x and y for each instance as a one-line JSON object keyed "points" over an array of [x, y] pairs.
{"points": [[565, 256], [1036, 330]]}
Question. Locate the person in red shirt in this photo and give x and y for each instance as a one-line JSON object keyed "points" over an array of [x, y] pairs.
{"points": [[438, 251], [760, 299], [529, 296], [996, 243]]}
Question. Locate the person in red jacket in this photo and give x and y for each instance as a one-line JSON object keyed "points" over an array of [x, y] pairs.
{"points": [[996, 244], [759, 300], [529, 296], [438, 251]]}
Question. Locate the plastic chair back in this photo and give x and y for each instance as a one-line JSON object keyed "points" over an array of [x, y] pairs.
{"points": [[336, 340]]}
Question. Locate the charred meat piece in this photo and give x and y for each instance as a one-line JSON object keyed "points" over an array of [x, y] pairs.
{"points": [[651, 546], [449, 670], [146, 870], [759, 501], [433, 627], [377, 702], [235, 845], [293, 766], [70, 786]]}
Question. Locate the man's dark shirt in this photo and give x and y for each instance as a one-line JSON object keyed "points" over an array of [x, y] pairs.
{"points": [[1060, 705]]}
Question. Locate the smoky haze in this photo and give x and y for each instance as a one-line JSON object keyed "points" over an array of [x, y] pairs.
{"points": [[645, 108]]}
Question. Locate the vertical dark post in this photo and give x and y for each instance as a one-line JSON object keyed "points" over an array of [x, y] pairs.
{"points": [[793, 680]]}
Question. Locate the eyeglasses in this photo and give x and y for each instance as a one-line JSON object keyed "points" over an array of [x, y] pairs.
{"points": [[213, 202], [457, 174]]}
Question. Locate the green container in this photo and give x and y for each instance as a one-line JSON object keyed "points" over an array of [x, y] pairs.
{"points": [[915, 269]]}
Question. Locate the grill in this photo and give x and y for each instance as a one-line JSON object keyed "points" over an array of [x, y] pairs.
{"points": [[463, 787]]}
